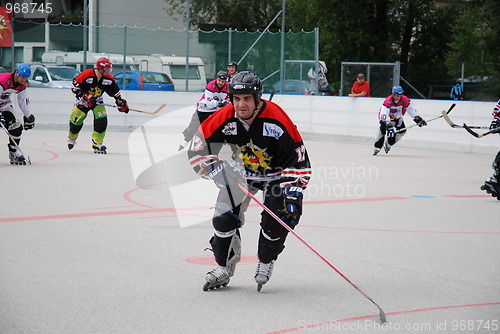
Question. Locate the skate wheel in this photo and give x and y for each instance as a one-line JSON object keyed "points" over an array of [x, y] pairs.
{"points": [[205, 286], [259, 287]]}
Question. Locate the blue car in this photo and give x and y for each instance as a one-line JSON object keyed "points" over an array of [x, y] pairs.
{"points": [[143, 80]]}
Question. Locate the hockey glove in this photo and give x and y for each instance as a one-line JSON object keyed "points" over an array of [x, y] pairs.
{"points": [[292, 205], [420, 121], [495, 124], [222, 103], [122, 105], [223, 175], [29, 122], [390, 131]]}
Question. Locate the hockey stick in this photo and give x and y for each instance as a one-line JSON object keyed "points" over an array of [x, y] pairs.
{"points": [[480, 135], [272, 95], [429, 120], [453, 125], [136, 110], [15, 144], [289, 229]]}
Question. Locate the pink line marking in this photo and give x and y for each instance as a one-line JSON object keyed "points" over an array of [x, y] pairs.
{"points": [[387, 314], [400, 231]]}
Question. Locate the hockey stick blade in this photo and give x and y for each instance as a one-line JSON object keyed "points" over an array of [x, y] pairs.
{"points": [[383, 318], [15, 144], [480, 135], [137, 110], [453, 125], [429, 120]]}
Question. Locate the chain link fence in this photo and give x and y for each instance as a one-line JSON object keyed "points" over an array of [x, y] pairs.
{"points": [[261, 51]]}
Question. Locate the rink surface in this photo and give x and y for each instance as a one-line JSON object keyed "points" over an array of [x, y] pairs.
{"points": [[83, 249]]}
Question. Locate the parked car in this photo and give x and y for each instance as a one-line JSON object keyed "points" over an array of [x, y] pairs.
{"points": [[52, 76], [143, 80], [299, 87]]}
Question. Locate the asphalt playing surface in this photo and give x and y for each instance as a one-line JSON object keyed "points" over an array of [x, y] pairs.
{"points": [[84, 249]]}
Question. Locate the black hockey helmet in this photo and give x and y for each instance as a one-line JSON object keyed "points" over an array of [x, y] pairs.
{"points": [[245, 83], [222, 75], [232, 63]]}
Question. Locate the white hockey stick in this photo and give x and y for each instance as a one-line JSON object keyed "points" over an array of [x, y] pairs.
{"points": [[453, 125], [15, 144]]}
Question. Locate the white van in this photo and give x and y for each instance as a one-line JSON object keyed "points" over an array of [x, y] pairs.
{"points": [[52, 76], [175, 68], [75, 59]]}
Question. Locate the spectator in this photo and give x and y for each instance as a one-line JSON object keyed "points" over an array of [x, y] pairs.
{"points": [[361, 87], [457, 92]]}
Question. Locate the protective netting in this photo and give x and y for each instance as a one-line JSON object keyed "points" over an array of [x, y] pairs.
{"points": [[380, 76], [260, 52]]}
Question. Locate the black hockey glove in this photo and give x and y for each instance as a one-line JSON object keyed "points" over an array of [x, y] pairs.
{"points": [[390, 131], [292, 205], [495, 123], [420, 121], [223, 103], [29, 122], [122, 105], [224, 175]]}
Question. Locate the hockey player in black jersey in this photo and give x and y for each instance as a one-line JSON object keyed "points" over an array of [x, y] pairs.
{"points": [[268, 155], [492, 185]]}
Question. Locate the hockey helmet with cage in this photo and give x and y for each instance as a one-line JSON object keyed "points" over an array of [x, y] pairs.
{"points": [[23, 70], [246, 83], [222, 75], [397, 90], [103, 63]]}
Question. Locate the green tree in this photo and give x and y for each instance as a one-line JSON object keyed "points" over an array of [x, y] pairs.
{"points": [[476, 43]]}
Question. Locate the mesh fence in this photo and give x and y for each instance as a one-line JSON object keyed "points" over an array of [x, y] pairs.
{"points": [[380, 76], [259, 52]]}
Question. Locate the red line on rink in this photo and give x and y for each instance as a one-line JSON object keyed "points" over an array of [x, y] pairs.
{"points": [[326, 323]]}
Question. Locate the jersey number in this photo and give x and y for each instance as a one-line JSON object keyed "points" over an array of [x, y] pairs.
{"points": [[301, 153]]}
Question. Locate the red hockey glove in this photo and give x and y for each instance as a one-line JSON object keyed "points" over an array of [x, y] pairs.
{"points": [[122, 105]]}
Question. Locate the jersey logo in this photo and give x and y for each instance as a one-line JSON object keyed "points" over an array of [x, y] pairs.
{"points": [[272, 130], [106, 82], [230, 129], [89, 80], [254, 156]]}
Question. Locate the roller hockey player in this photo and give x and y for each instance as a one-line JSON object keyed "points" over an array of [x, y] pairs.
{"points": [[88, 87], [214, 98], [268, 154], [492, 185], [390, 118], [232, 69], [15, 83]]}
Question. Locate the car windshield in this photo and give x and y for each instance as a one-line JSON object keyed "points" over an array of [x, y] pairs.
{"points": [[63, 73], [155, 78]]}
